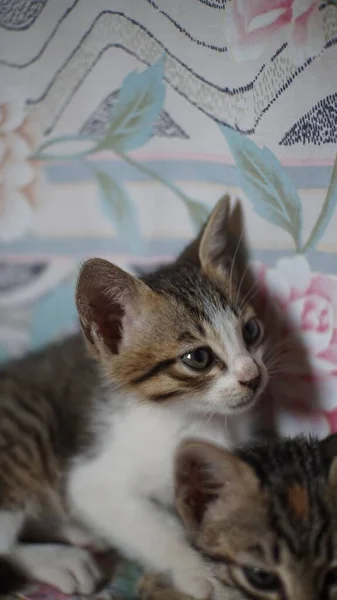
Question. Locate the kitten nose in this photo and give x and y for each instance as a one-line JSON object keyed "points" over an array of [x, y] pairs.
{"points": [[247, 372]]}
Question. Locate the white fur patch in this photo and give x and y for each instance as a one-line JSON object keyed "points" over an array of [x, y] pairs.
{"points": [[227, 395]]}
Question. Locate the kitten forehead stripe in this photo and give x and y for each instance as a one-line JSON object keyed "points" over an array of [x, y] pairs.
{"points": [[188, 337], [201, 329], [191, 288]]}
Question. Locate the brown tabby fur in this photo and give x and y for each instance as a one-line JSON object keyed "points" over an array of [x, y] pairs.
{"points": [[39, 431]]}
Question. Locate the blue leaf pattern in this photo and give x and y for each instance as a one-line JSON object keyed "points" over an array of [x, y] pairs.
{"points": [[325, 215], [140, 100], [53, 314], [198, 213], [265, 182], [119, 208]]}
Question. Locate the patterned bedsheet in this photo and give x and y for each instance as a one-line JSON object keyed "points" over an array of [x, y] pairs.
{"points": [[122, 123]]}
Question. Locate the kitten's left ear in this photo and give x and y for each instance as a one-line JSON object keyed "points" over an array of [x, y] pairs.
{"points": [[205, 475], [329, 450], [108, 301]]}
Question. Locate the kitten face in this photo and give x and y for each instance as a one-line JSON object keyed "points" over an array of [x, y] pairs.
{"points": [[265, 519], [184, 335], [195, 346]]}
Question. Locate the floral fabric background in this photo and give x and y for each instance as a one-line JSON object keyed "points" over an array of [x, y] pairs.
{"points": [[122, 123]]}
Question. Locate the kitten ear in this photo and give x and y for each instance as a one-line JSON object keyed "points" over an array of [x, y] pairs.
{"points": [[214, 242], [205, 474], [106, 297], [329, 449], [329, 446], [219, 240]]}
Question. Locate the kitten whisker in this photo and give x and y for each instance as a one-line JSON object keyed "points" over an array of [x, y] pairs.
{"points": [[288, 371], [273, 370], [281, 342], [286, 368], [277, 372], [277, 350], [274, 360], [226, 424], [232, 265], [240, 284], [247, 298], [209, 414], [283, 367]]}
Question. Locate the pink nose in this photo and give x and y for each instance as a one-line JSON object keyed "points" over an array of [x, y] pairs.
{"points": [[247, 372]]}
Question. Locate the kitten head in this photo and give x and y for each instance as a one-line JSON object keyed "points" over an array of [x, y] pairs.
{"points": [[264, 518], [183, 335]]}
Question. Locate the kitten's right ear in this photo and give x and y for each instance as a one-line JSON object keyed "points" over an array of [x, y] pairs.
{"points": [[206, 475], [328, 448], [106, 299]]}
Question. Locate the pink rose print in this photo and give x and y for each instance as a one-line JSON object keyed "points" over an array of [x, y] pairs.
{"points": [[251, 25], [20, 177], [309, 304]]}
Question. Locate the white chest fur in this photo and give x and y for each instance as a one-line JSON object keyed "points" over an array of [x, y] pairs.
{"points": [[121, 492], [138, 449]]}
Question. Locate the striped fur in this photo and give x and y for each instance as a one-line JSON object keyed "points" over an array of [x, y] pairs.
{"points": [[270, 506]]}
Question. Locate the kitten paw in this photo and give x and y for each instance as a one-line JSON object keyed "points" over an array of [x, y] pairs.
{"points": [[71, 570]]}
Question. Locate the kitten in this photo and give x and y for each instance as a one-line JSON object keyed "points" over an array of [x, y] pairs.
{"points": [[178, 353], [264, 519]]}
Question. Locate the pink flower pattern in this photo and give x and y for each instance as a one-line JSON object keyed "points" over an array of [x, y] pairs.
{"points": [[20, 176], [251, 25], [309, 304]]}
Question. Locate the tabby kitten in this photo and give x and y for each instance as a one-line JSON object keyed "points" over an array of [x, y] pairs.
{"points": [[175, 354], [263, 518]]}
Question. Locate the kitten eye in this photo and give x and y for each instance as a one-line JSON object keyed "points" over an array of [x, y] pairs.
{"points": [[261, 580], [199, 359], [251, 331]]}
